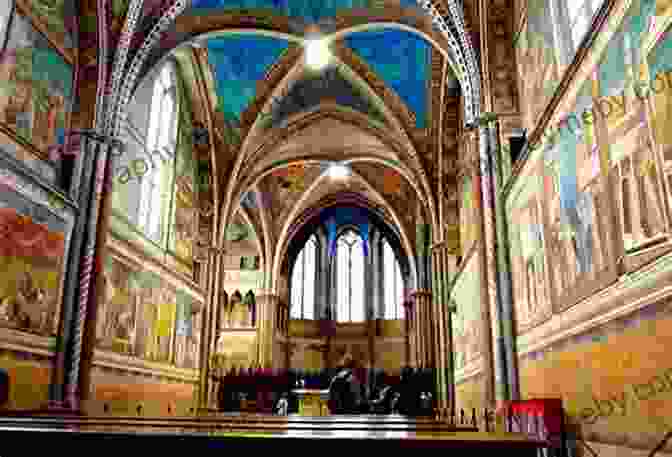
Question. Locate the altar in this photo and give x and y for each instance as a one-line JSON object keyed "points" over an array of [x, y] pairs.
{"points": [[312, 402]]}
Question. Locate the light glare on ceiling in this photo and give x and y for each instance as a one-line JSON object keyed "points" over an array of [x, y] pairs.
{"points": [[338, 172], [317, 53]]}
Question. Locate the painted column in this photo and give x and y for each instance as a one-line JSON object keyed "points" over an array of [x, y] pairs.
{"points": [[371, 287], [410, 312], [422, 299], [436, 322], [419, 330], [206, 328], [81, 193], [440, 324], [407, 334], [268, 309], [486, 258], [449, 270], [90, 220], [97, 290], [507, 341]]}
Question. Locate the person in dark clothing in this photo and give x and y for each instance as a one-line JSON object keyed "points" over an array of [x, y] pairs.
{"points": [[338, 393], [383, 404], [4, 388], [345, 391], [408, 403]]}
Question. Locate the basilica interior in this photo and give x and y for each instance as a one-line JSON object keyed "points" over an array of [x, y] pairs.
{"points": [[475, 195]]}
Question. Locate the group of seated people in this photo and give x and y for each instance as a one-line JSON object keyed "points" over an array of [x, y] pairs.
{"points": [[411, 396], [352, 390]]}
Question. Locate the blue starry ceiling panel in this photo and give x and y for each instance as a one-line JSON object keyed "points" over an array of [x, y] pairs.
{"points": [[310, 11], [402, 60], [238, 62]]}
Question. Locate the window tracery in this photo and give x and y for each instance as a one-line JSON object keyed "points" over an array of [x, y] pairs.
{"points": [[349, 278]]}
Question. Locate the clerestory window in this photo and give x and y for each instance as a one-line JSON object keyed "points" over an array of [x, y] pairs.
{"points": [[580, 14], [161, 144]]}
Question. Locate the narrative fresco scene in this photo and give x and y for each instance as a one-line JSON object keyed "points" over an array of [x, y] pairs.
{"points": [[306, 216]]}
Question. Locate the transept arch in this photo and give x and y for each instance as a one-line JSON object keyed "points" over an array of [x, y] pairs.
{"points": [[295, 222]]}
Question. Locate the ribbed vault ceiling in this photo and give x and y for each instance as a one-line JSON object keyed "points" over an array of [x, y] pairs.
{"points": [[388, 106]]}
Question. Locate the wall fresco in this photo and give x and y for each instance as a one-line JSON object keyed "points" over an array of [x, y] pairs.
{"points": [[141, 315], [538, 68], [32, 253], [527, 250], [640, 196], [576, 204], [467, 328], [35, 87], [468, 216]]}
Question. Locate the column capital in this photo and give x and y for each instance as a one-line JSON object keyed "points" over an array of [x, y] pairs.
{"points": [[266, 294], [421, 292], [437, 246]]}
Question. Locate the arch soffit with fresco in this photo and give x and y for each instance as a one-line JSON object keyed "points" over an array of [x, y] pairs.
{"points": [[314, 197], [381, 151], [281, 145]]}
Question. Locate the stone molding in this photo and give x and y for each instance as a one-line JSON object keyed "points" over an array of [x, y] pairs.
{"points": [[613, 302], [15, 340], [118, 362]]}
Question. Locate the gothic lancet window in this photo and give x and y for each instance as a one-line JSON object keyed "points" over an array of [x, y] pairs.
{"points": [[161, 142], [303, 282], [349, 278], [392, 285]]}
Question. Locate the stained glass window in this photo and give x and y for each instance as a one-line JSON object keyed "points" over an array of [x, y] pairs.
{"points": [[303, 282], [393, 285], [349, 278]]}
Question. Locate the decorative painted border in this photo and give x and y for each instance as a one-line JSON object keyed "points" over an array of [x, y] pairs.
{"points": [[123, 364], [22, 342], [31, 157]]}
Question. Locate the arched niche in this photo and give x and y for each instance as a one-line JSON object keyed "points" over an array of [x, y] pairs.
{"points": [[223, 312], [239, 315], [251, 304]]}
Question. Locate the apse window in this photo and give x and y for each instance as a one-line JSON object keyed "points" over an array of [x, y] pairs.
{"points": [[303, 282], [350, 278], [161, 142], [393, 284]]}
